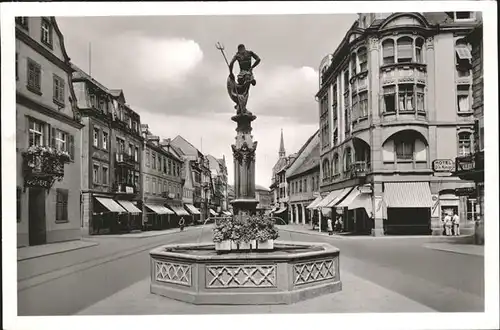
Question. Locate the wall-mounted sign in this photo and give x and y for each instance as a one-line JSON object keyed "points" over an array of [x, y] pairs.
{"points": [[443, 165], [467, 191], [129, 190], [40, 182]]}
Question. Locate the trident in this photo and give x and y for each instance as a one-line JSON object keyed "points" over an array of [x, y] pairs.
{"points": [[220, 47]]}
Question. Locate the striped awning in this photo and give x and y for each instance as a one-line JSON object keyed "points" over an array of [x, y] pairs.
{"points": [[362, 201], [129, 206], [314, 203], [159, 209], [179, 210], [192, 209], [407, 195], [330, 197], [343, 193], [111, 205], [212, 212], [349, 198]]}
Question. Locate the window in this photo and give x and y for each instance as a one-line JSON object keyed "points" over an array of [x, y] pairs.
{"points": [[463, 98], [95, 173], [463, 58], [18, 202], [105, 140], [61, 205], [405, 96], [130, 148], [463, 15], [362, 59], [353, 65], [336, 168], [154, 186], [346, 80], [130, 122], [420, 98], [96, 137], [300, 186], [153, 163], [136, 154], [60, 140], [46, 32], [363, 104], [101, 103], [147, 158], [472, 209], [137, 183], [305, 185], [105, 175], [389, 101], [159, 163], [388, 51], [326, 169], [34, 76], [169, 167], [58, 90], [347, 159], [405, 49], [464, 144], [419, 43], [147, 185], [35, 133], [134, 126], [354, 109], [404, 149], [22, 21]]}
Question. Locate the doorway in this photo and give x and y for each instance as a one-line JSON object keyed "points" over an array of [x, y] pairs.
{"points": [[37, 226]]}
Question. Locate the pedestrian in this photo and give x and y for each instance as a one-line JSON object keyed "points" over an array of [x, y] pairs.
{"points": [[330, 226], [448, 224], [456, 224], [182, 222]]}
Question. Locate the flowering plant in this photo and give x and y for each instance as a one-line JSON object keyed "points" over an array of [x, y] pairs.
{"points": [[222, 230], [47, 160], [245, 229]]}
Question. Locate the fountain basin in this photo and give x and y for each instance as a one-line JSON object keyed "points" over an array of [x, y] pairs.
{"points": [[292, 272]]}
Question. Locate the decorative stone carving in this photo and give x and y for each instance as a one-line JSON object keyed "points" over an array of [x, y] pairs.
{"points": [[173, 273], [244, 153], [373, 43], [240, 276], [309, 272], [429, 43]]}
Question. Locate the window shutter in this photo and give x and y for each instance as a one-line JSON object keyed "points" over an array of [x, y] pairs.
{"points": [[71, 146], [53, 137], [48, 138]]}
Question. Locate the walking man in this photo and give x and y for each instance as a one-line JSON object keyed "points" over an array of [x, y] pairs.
{"points": [[330, 226], [456, 224], [447, 224], [182, 222]]}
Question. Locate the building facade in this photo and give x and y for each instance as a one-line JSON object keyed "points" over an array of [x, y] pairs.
{"points": [[111, 158], [471, 167], [218, 169], [394, 97], [48, 136], [162, 189], [264, 197], [303, 179]]}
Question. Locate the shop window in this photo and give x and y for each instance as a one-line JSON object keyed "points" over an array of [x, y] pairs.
{"points": [[464, 144], [18, 203], [404, 149], [463, 98], [389, 99], [388, 51], [405, 97], [61, 205], [405, 50], [472, 209]]}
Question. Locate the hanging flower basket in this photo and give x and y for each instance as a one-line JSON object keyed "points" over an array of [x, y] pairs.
{"points": [[45, 161]]}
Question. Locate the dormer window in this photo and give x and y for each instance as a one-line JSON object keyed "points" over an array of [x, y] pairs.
{"points": [[46, 32]]}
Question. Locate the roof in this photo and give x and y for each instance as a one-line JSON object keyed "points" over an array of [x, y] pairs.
{"points": [[259, 187], [186, 147], [213, 162], [310, 162], [116, 92], [80, 74], [301, 150]]}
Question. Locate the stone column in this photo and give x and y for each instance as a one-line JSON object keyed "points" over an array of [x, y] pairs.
{"points": [[244, 165], [303, 214], [378, 210], [319, 219], [296, 214]]}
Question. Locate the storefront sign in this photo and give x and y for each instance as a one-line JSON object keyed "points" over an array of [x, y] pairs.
{"points": [[129, 190], [443, 165], [40, 182], [468, 191]]}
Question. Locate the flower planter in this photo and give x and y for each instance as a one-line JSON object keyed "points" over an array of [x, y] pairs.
{"points": [[265, 245], [234, 245], [223, 246]]}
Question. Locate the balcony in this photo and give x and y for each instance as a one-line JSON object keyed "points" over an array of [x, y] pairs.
{"points": [[125, 188], [470, 167], [359, 169], [125, 159]]}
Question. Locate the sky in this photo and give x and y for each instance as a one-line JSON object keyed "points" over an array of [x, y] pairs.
{"points": [[174, 77]]}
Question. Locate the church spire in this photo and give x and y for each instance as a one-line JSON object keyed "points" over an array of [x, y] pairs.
{"points": [[282, 146]]}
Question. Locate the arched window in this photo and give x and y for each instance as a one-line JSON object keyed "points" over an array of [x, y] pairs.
{"points": [[464, 144], [353, 64], [388, 51], [405, 146], [362, 59], [405, 49], [347, 159], [336, 168], [326, 170], [419, 44]]}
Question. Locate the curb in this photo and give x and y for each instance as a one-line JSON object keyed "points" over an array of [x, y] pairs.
{"points": [[453, 251], [140, 235], [90, 244]]}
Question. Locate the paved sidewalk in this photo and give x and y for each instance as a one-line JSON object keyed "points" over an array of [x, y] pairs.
{"points": [[153, 233], [30, 252], [470, 249], [357, 296]]}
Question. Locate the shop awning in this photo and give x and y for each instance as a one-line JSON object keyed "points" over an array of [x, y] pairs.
{"points": [[343, 193], [129, 206], [349, 198], [362, 201], [281, 210], [314, 203], [179, 210], [111, 205], [192, 209], [158, 209], [212, 212], [408, 195], [328, 198]]}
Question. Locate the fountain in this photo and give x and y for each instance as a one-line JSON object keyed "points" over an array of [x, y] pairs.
{"points": [[244, 265]]}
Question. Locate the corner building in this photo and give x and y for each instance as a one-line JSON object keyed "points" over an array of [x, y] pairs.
{"points": [[395, 96]]}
